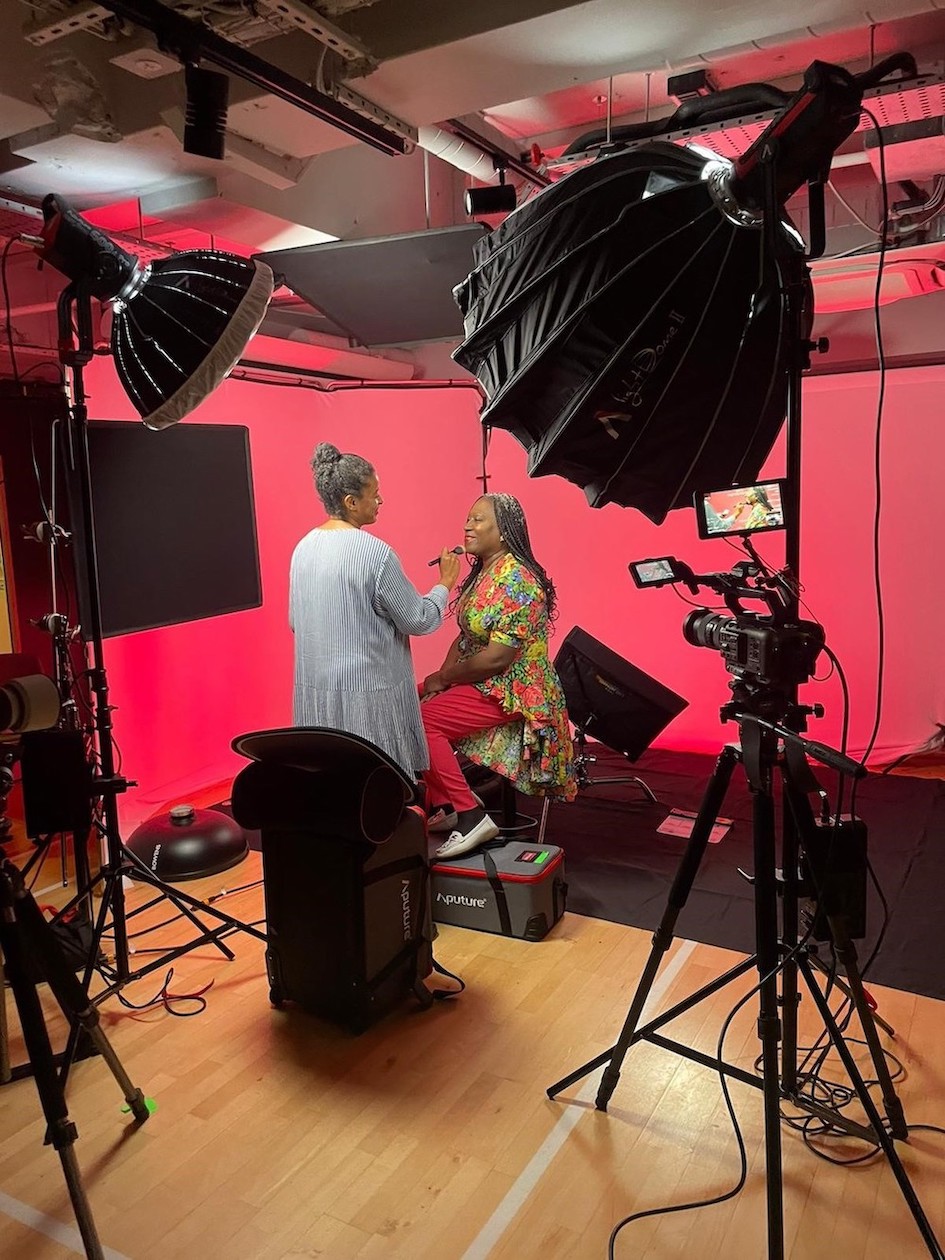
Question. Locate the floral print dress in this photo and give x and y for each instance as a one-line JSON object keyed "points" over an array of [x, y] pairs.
{"points": [[507, 605]]}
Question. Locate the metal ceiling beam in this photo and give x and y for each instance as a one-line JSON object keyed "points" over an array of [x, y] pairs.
{"points": [[192, 40]]}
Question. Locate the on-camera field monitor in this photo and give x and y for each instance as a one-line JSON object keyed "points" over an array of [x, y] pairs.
{"points": [[656, 572], [739, 510]]}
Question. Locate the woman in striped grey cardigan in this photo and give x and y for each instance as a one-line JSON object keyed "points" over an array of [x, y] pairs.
{"points": [[352, 609]]}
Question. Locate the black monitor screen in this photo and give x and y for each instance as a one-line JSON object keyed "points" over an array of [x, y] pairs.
{"points": [[175, 525], [611, 700]]}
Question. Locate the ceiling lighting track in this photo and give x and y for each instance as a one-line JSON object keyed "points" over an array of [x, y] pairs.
{"points": [[895, 103], [520, 168], [192, 40]]}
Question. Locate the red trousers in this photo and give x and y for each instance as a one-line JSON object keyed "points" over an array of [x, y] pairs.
{"points": [[447, 717]]}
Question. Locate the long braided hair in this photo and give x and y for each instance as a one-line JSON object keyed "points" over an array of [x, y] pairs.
{"points": [[510, 518]]}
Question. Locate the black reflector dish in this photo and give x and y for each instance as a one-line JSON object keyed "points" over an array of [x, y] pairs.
{"points": [[184, 329], [180, 324], [630, 334]]}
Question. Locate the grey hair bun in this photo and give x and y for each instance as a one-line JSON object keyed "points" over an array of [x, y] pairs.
{"points": [[338, 475], [326, 453]]}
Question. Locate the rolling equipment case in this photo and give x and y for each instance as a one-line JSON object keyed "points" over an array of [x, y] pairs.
{"points": [[345, 872]]}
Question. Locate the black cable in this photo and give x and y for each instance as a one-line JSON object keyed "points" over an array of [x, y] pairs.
{"points": [[845, 692], [165, 998], [736, 1129], [46, 363], [874, 953], [8, 307], [36, 471], [877, 450], [693, 603]]}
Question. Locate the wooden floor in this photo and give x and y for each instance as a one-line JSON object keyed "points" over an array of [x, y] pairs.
{"points": [[276, 1136]]}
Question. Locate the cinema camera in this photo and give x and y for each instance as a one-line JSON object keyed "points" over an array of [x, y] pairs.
{"points": [[761, 649], [29, 703]]}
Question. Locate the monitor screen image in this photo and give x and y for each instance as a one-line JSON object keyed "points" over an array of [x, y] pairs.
{"points": [[740, 509], [653, 572]]}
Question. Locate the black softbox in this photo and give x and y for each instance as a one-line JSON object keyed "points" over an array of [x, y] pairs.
{"points": [[630, 334], [611, 700]]}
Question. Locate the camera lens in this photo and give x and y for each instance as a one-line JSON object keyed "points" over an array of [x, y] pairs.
{"points": [[702, 628]]}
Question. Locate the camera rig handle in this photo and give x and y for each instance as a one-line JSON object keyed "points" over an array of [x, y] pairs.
{"points": [[745, 580]]}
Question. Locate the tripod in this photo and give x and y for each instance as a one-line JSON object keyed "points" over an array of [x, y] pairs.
{"points": [[761, 717], [75, 313], [31, 953]]}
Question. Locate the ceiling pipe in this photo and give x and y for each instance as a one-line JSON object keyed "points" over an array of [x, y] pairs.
{"points": [[306, 351], [458, 152], [469, 152], [514, 164]]}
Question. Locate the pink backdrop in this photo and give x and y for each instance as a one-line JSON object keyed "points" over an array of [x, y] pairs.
{"points": [[183, 692]]}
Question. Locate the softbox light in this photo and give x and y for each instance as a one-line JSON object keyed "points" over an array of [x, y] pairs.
{"points": [[627, 333], [640, 326], [611, 700], [180, 323]]}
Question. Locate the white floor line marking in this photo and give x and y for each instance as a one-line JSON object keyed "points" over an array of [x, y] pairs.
{"points": [[40, 1223], [533, 1171]]}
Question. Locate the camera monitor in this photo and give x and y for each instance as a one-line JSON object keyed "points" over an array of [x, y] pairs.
{"points": [[751, 509], [657, 572], [611, 700]]}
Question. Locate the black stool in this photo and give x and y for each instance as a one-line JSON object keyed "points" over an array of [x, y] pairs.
{"points": [[512, 823]]}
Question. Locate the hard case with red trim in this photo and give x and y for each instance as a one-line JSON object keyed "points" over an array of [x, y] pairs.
{"points": [[517, 889]]}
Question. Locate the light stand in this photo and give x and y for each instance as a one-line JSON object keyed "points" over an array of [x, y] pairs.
{"points": [[583, 759], [613, 702], [75, 311], [179, 326]]}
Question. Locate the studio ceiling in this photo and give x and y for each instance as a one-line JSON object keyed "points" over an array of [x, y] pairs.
{"points": [[92, 107]]}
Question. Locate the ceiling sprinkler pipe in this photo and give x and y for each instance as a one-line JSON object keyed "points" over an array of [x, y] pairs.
{"points": [[459, 153]]}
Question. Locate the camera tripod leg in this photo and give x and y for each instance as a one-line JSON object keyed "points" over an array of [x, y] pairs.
{"points": [[60, 1131], [6, 1072], [819, 965], [26, 940], [846, 954], [769, 1015], [72, 997], [663, 936], [878, 1130]]}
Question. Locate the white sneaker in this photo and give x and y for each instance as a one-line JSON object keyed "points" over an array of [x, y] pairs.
{"points": [[442, 820], [458, 844], [445, 819]]}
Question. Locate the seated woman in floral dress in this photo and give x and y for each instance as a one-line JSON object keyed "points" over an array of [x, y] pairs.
{"points": [[496, 698]]}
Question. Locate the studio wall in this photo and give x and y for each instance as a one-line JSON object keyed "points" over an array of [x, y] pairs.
{"points": [[182, 693]]}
